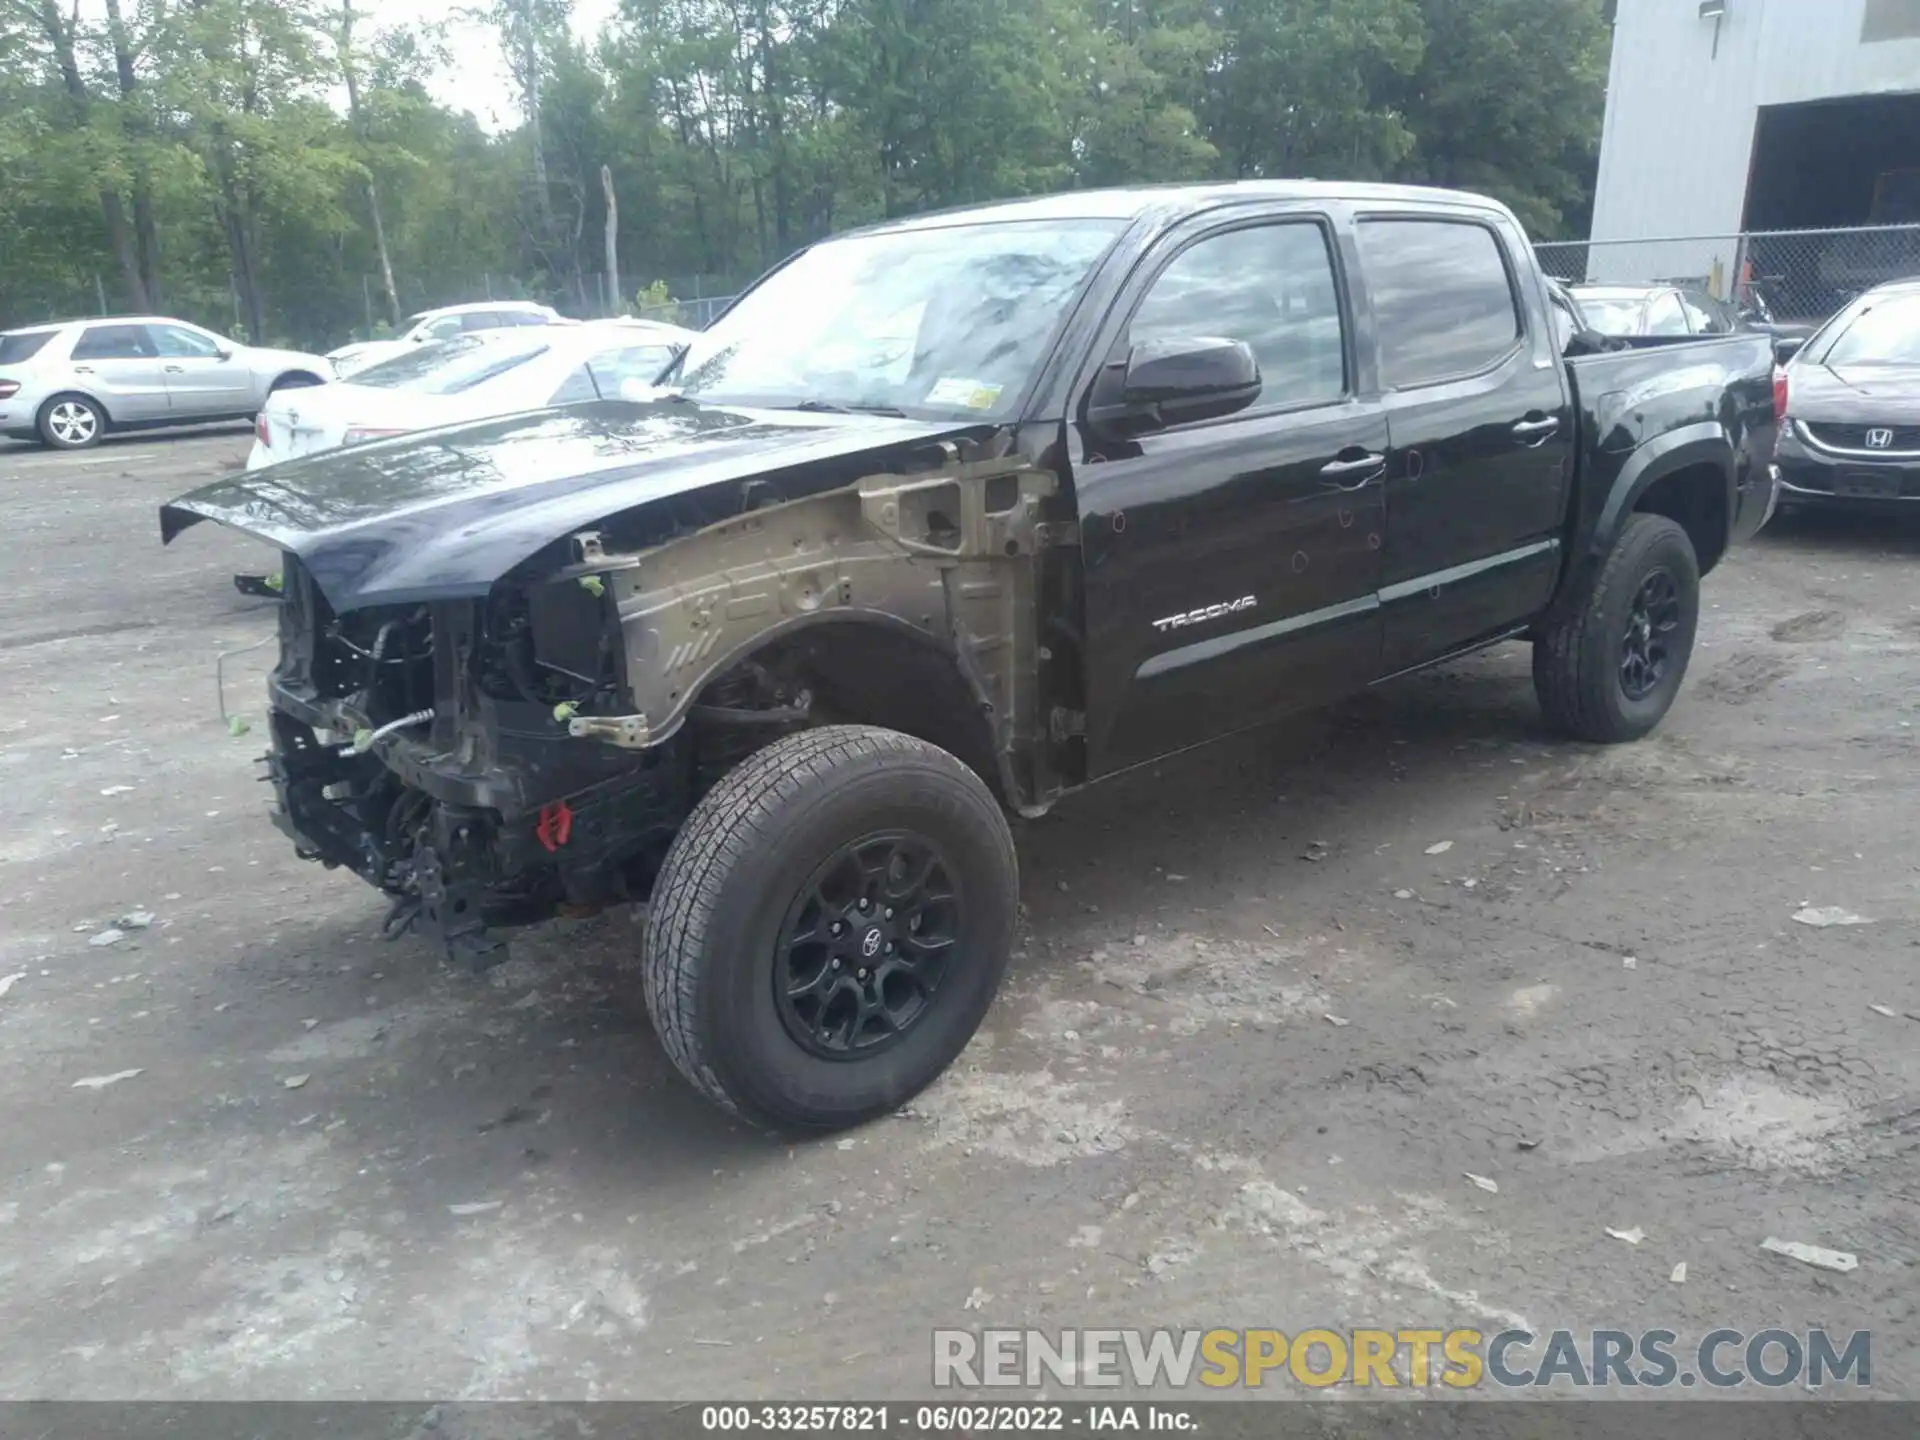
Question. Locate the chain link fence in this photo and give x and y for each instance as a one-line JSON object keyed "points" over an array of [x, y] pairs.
{"points": [[356, 307], [1795, 275]]}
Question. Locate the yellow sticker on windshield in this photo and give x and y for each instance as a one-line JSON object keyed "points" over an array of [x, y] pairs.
{"points": [[967, 394]]}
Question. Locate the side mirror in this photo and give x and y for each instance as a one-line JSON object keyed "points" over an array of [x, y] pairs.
{"points": [[1176, 381], [223, 353], [1785, 347]]}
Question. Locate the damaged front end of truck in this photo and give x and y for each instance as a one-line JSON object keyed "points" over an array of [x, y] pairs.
{"points": [[498, 701]]}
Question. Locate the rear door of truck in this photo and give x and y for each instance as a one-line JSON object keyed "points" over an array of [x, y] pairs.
{"points": [[1481, 426]]}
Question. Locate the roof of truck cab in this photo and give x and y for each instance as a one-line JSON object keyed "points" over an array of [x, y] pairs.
{"points": [[1136, 201]]}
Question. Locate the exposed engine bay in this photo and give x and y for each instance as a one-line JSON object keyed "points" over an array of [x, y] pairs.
{"points": [[498, 761]]}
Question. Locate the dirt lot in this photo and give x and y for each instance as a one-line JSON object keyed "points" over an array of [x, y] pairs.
{"points": [[1260, 1031]]}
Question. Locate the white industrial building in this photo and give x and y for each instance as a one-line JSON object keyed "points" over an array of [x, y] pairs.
{"points": [[1725, 116]]}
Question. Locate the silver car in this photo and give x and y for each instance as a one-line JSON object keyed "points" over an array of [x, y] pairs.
{"points": [[69, 383]]}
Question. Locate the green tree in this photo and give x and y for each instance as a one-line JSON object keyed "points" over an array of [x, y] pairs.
{"points": [[280, 165], [1508, 100], [1306, 87]]}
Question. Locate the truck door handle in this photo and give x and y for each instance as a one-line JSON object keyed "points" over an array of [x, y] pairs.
{"points": [[1533, 430], [176, 369], [83, 369], [1351, 474]]}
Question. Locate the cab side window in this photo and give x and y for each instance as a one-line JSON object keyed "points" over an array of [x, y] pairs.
{"points": [[1271, 286], [1443, 299]]}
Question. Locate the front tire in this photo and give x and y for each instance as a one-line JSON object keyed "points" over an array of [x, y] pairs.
{"points": [[830, 927], [1610, 672], [72, 422]]}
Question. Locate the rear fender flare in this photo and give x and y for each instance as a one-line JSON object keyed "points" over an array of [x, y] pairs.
{"points": [[1705, 443]]}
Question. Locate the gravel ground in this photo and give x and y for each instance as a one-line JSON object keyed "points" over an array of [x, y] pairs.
{"points": [[1261, 1030]]}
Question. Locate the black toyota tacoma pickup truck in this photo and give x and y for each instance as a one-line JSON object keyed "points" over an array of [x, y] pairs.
{"points": [[943, 520]]}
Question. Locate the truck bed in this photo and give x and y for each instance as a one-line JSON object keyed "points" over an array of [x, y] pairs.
{"points": [[1653, 400]]}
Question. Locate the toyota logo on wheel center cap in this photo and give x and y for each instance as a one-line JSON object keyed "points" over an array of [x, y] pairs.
{"points": [[870, 943]]}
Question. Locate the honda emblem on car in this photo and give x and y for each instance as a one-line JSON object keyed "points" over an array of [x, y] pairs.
{"points": [[1879, 439]]}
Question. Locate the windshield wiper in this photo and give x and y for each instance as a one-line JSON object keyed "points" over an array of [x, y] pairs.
{"points": [[827, 407]]}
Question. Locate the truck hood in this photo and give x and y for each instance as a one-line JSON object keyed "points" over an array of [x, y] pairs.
{"points": [[1856, 394], [445, 513]]}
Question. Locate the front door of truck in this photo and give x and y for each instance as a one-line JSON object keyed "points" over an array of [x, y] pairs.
{"points": [[1231, 565]]}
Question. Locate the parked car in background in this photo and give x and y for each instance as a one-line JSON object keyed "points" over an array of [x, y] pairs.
{"points": [[1572, 328], [1656, 313], [1757, 310], [70, 382], [1853, 405], [470, 377], [443, 324]]}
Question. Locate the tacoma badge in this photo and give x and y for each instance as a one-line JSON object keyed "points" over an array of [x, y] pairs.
{"points": [[1206, 612]]}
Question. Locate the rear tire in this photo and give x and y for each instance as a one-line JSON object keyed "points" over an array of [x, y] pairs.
{"points": [[72, 422], [782, 982], [1610, 672]]}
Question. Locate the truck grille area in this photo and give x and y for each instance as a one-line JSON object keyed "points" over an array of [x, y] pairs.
{"points": [[491, 815]]}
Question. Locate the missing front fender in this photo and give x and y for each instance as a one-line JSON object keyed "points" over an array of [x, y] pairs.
{"points": [[948, 557]]}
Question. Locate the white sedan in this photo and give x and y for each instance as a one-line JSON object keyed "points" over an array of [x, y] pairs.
{"points": [[443, 324], [471, 377]]}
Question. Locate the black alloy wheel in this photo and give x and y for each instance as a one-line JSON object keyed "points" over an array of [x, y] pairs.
{"points": [[866, 945], [1608, 670], [829, 927], [1646, 650]]}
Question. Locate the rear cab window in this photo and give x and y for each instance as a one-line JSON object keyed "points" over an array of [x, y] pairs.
{"points": [[22, 345], [1444, 302]]}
